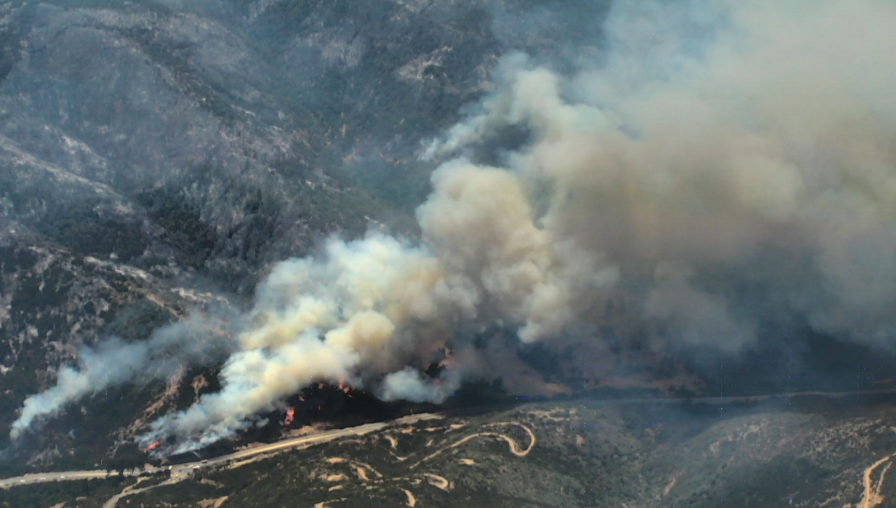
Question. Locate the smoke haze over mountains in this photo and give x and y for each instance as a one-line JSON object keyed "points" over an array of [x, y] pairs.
{"points": [[719, 166]]}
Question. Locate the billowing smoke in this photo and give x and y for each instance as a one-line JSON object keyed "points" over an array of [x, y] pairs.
{"points": [[197, 340], [723, 163], [722, 154], [364, 310]]}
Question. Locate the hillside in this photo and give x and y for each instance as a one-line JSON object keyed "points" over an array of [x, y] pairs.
{"points": [[574, 238]]}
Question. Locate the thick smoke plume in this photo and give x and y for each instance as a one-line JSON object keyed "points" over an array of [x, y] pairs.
{"points": [[367, 309], [753, 161], [725, 163]]}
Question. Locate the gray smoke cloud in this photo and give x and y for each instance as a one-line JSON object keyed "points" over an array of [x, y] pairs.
{"points": [[721, 145], [720, 154]]}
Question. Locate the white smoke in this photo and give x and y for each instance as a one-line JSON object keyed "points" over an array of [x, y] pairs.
{"points": [[408, 384], [91, 376], [197, 340], [722, 151]]}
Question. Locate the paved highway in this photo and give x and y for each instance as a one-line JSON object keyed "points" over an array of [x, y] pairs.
{"points": [[58, 477]]}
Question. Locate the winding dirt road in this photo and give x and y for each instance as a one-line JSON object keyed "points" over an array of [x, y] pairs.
{"points": [[871, 496]]}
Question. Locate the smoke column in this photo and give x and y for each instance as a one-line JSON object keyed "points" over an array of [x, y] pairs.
{"points": [[716, 179]]}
